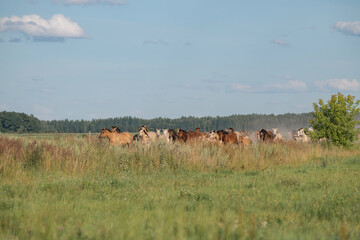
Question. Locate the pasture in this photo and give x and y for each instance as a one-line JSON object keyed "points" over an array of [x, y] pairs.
{"points": [[77, 187]]}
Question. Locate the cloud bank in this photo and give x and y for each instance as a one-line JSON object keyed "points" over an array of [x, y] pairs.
{"points": [[90, 2], [57, 27], [349, 28]]}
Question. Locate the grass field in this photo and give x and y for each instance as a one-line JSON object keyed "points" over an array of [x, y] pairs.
{"points": [[75, 187]]}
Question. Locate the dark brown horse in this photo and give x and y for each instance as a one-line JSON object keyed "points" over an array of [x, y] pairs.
{"points": [[183, 135], [172, 135], [266, 136]]}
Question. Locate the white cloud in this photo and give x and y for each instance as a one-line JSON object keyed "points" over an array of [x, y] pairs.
{"points": [[293, 85], [90, 2], [279, 42], [350, 28], [57, 27], [338, 84]]}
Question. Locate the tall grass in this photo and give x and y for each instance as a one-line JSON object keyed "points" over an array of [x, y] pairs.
{"points": [[75, 187], [74, 155]]}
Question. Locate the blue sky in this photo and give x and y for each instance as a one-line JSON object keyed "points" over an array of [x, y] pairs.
{"points": [[85, 59]]}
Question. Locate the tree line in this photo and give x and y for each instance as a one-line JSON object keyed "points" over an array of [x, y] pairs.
{"points": [[23, 123]]}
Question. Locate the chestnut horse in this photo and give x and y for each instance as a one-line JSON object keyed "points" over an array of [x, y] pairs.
{"points": [[199, 134], [116, 138], [227, 137]]}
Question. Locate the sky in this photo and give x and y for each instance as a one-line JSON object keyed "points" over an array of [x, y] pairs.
{"points": [[95, 59]]}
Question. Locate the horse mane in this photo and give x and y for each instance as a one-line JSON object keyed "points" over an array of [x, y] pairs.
{"points": [[116, 128]]}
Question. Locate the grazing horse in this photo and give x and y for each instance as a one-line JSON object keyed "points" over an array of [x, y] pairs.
{"points": [[265, 135], [227, 137], [116, 138], [145, 135]]}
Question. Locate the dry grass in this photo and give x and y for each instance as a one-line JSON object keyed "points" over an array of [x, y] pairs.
{"points": [[74, 155]]}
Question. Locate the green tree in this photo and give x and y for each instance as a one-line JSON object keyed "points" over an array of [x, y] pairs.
{"points": [[335, 120]]}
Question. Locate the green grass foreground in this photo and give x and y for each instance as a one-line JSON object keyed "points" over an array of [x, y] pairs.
{"points": [[73, 187]]}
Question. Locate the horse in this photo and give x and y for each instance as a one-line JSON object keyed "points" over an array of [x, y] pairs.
{"points": [[213, 137], [183, 135], [170, 135], [136, 138], [146, 135], [116, 138], [240, 135], [265, 135], [227, 137], [244, 140], [158, 133], [278, 136], [199, 134], [301, 136]]}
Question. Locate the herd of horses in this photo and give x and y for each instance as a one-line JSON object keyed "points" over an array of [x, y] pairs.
{"points": [[227, 136]]}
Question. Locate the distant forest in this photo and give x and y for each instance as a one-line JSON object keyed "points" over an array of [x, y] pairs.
{"points": [[23, 123]]}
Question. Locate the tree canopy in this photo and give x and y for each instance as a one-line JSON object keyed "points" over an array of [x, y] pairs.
{"points": [[335, 120], [18, 122]]}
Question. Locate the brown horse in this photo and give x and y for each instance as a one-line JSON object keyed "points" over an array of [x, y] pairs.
{"points": [[116, 138], [183, 135], [199, 134], [265, 136], [227, 137], [170, 135]]}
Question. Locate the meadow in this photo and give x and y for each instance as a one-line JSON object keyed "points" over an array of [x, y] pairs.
{"points": [[61, 186]]}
